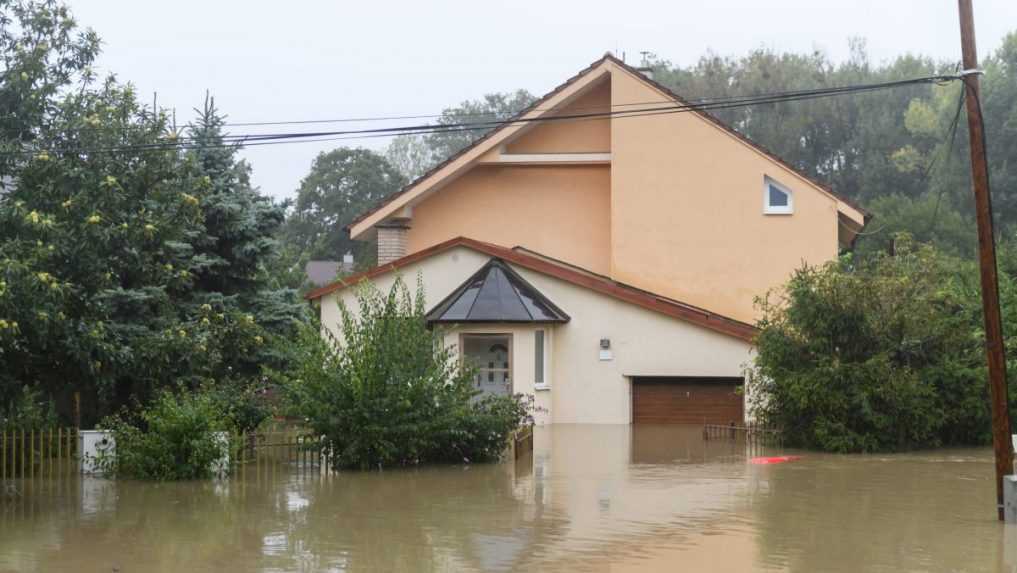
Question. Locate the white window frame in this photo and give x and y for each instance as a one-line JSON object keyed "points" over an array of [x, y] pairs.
{"points": [[546, 384], [777, 209]]}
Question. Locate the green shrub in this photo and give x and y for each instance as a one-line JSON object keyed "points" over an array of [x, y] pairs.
{"points": [[28, 410], [878, 355], [174, 438], [243, 404], [389, 393]]}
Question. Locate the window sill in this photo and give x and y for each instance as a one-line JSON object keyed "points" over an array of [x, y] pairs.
{"points": [[540, 387]]}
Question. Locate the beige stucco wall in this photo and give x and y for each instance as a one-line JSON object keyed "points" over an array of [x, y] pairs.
{"points": [[687, 210], [584, 389], [571, 135], [561, 211]]}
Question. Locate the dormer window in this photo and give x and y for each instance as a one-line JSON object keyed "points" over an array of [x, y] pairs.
{"points": [[777, 199]]}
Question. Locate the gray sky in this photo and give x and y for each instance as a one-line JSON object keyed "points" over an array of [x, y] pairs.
{"points": [[303, 59]]}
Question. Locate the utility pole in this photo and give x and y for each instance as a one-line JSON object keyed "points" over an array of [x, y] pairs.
{"points": [[986, 254]]}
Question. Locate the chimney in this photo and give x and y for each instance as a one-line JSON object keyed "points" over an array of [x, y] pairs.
{"points": [[392, 240], [347, 265]]}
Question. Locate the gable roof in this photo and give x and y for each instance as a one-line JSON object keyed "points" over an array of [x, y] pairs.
{"points": [[496, 293], [564, 272], [493, 137]]}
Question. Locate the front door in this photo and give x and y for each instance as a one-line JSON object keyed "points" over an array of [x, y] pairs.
{"points": [[491, 357]]}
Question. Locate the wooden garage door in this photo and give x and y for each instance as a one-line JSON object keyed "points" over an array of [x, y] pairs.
{"points": [[686, 401]]}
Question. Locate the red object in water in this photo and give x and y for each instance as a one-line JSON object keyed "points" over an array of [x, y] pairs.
{"points": [[774, 460]]}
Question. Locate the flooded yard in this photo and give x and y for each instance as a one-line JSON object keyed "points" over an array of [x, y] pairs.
{"points": [[594, 498]]}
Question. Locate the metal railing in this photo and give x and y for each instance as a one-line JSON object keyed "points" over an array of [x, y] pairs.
{"points": [[37, 452], [749, 433]]}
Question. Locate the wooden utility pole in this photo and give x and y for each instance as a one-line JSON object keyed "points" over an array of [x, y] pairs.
{"points": [[986, 254]]}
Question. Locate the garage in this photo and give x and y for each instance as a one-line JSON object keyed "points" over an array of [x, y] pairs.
{"points": [[680, 400]]}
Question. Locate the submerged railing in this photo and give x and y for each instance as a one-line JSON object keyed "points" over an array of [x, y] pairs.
{"points": [[293, 448], [41, 452], [37, 452], [749, 433]]}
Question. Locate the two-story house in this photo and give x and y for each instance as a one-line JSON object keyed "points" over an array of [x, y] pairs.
{"points": [[606, 263]]}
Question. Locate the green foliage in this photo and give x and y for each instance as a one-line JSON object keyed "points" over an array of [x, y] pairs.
{"points": [[412, 155], [878, 355], [929, 219], [888, 145], [244, 405], [28, 410], [342, 184], [42, 52], [390, 393], [174, 438], [123, 272]]}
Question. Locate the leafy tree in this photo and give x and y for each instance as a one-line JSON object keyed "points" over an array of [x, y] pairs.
{"points": [[342, 184], [415, 154], [390, 393], [929, 219], [410, 155], [126, 265], [236, 245], [42, 52], [879, 354]]}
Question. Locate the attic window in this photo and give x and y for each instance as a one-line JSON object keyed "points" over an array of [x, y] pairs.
{"points": [[777, 199]]}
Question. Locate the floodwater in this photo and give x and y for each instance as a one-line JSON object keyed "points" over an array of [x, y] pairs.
{"points": [[593, 498]]}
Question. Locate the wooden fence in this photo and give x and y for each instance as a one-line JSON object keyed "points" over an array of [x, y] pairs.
{"points": [[37, 452]]}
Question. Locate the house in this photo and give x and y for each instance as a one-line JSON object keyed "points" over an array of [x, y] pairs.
{"points": [[605, 264], [321, 273]]}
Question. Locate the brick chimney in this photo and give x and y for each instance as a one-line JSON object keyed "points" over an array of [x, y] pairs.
{"points": [[392, 240]]}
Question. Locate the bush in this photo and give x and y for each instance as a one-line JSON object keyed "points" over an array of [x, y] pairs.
{"points": [[174, 438], [243, 404], [28, 410], [389, 393], [879, 355]]}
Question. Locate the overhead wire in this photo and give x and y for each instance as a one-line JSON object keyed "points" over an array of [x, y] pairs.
{"points": [[659, 108]]}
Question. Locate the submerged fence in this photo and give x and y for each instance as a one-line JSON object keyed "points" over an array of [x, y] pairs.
{"points": [[42, 452], [287, 447], [749, 433], [37, 452]]}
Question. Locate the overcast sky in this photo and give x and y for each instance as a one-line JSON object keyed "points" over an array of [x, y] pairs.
{"points": [[301, 59]]}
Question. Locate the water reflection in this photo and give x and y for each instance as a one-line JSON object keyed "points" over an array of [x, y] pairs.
{"points": [[592, 498]]}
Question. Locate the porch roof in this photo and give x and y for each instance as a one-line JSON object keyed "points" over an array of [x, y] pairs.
{"points": [[496, 293]]}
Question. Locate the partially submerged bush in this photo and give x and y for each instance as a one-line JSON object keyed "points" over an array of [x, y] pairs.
{"points": [[176, 437], [389, 393], [880, 355]]}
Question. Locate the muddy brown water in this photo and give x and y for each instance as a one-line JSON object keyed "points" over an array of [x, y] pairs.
{"points": [[593, 498]]}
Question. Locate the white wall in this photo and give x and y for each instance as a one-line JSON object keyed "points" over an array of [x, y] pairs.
{"points": [[584, 389]]}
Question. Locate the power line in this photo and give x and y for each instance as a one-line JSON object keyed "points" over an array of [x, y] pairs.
{"points": [[659, 108]]}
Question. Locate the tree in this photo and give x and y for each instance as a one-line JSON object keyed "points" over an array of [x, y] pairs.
{"points": [[126, 264], [874, 357], [238, 239], [42, 52], [342, 184], [101, 254], [415, 154]]}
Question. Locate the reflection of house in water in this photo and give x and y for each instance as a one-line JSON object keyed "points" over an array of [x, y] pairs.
{"points": [[637, 495]]}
